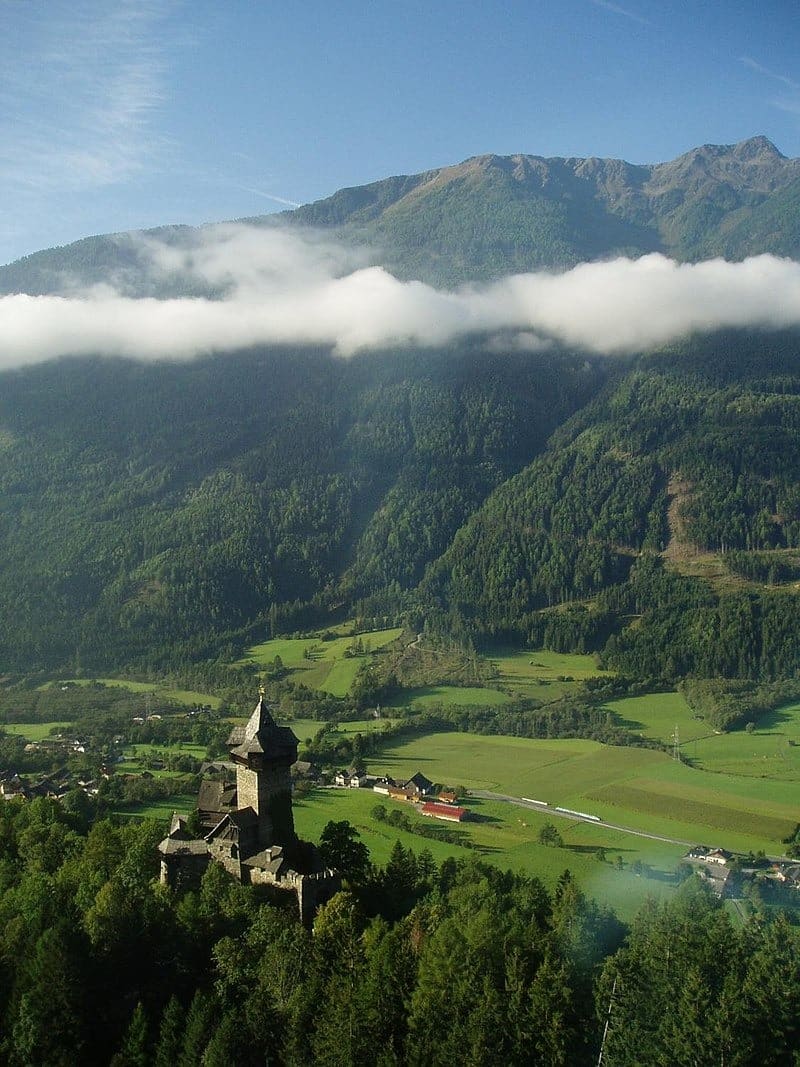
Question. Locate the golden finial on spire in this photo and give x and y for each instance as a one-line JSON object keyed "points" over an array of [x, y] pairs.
{"points": [[262, 691]]}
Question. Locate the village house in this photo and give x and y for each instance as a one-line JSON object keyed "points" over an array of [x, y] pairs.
{"points": [[709, 855], [350, 779], [419, 785], [383, 785], [12, 787]]}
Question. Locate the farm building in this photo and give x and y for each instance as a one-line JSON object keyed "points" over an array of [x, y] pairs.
{"points": [[419, 785], [383, 785], [399, 792], [444, 811], [709, 855]]}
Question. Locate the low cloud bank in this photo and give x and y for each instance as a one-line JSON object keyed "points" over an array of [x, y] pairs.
{"points": [[279, 287]]}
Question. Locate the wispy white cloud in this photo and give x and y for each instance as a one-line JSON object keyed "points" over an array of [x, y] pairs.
{"points": [[283, 287], [625, 12], [268, 196], [759, 68], [789, 98], [79, 86]]}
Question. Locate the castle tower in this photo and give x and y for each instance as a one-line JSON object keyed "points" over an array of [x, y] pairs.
{"points": [[263, 783]]}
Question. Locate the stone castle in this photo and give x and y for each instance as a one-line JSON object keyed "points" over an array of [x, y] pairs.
{"points": [[251, 828]]}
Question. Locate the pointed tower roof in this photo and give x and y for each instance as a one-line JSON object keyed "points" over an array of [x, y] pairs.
{"points": [[263, 736]]}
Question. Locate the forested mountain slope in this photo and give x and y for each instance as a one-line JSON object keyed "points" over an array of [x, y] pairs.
{"points": [[152, 512], [589, 520], [150, 508]]}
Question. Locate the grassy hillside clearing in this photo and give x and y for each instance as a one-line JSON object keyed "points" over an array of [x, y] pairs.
{"points": [[189, 697], [449, 695], [160, 810], [321, 664], [34, 731], [656, 716], [541, 674], [303, 728]]}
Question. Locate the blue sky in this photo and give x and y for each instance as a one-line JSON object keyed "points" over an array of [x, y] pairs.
{"points": [[121, 115]]}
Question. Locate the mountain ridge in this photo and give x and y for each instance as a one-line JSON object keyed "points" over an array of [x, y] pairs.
{"points": [[159, 514], [490, 215]]}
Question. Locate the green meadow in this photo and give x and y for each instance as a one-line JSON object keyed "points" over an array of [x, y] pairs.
{"points": [[639, 788], [188, 697], [180, 748], [308, 728], [34, 731], [771, 751], [449, 696], [160, 810], [136, 757], [507, 836], [658, 716], [541, 674], [320, 664]]}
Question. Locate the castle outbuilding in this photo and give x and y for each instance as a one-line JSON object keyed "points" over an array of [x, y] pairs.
{"points": [[254, 839]]}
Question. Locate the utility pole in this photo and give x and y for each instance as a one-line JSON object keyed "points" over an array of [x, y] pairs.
{"points": [[608, 1022]]}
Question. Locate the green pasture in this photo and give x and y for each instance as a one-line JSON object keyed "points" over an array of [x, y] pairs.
{"points": [[507, 837], [186, 748], [135, 756], [136, 767], [34, 731], [771, 751], [341, 676], [160, 810], [188, 697], [539, 673], [639, 788], [303, 728], [449, 696], [320, 664], [657, 715]]}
